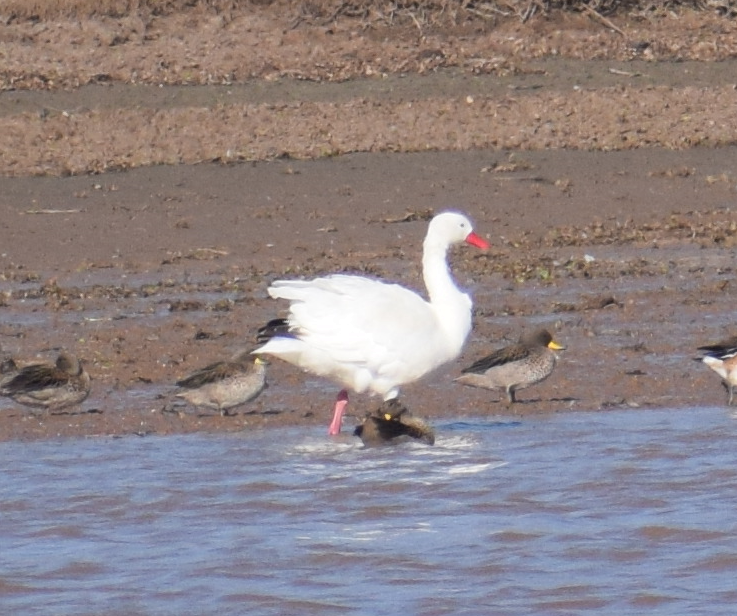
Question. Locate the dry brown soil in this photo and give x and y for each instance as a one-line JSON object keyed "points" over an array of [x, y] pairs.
{"points": [[157, 176]]}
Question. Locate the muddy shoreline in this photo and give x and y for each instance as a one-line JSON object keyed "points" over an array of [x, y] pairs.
{"points": [[151, 192], [551, 74], [150, 274]]}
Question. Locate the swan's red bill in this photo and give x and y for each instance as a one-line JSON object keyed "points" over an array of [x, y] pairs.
{"points": [[478, 241]]}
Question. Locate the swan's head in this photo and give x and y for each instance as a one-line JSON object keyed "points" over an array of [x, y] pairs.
{"points": [[453, 228]]}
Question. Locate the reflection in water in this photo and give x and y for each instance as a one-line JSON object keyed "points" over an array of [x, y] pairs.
{"points": [[611, 512]]}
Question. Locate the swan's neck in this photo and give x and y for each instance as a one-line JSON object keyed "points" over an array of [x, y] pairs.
{"points": [[451, 306]]}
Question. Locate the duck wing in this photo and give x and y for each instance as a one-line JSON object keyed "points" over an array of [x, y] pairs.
{"points": [[212, 373], [507, 355], [34, 378]]}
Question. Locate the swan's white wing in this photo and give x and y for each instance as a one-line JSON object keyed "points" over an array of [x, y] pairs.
{"points": [[350, 323]]}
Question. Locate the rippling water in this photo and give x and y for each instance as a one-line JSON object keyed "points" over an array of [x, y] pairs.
{"points": [[608, 513]]}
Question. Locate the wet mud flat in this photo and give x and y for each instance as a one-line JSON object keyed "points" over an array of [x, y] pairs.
{"points": [[151, 273]]}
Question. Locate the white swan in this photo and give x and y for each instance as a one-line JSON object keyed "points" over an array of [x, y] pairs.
{"points": [[370, 335]]}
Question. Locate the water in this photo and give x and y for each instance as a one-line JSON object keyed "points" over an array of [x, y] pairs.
{"points": [[618, 512]]}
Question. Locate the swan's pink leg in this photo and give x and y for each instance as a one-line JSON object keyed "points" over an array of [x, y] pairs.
{"points": [[340, 403]]}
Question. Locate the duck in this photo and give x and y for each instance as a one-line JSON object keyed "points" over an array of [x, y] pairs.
{"points": [[722, 359], [391, 423], [49, 386], [224, 385], [373, 336], [529, 361]]}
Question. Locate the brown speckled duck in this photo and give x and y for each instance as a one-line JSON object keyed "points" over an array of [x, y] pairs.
{"points": [[391, 423], [515, 367], [224, 385], [47, 386]]}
